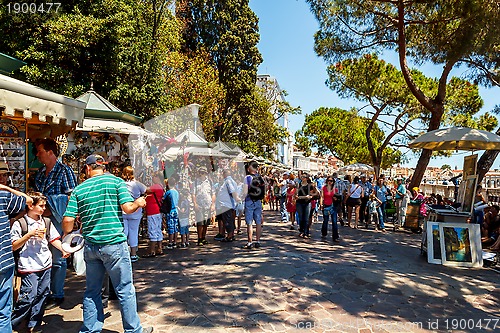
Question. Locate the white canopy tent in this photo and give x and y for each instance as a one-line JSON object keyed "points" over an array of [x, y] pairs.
{"points": [[109, 126], [21, 99]]}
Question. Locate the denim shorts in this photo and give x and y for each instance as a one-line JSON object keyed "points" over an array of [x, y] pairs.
{"points": [[184, 230], [253, 212], [154, 227]]}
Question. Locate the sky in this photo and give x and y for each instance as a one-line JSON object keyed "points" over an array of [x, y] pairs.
{"points": [[287, 30]]}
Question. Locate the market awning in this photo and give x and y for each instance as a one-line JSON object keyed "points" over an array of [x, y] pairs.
{"points": [[9, 64], [97, 106], [109, 126], [28, 101]]}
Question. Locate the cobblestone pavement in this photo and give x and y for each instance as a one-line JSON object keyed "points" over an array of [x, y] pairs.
{"points": [[369, 282]]}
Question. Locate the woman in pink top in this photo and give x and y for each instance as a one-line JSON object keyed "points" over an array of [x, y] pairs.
{"points": [[329, 203]]}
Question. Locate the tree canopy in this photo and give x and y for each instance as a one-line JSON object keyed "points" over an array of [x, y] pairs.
{"points": [[391, 105], [342, 133], [449, 33]]}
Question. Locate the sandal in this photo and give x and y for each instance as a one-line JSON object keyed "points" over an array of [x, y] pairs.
{"points": [[149, 255]]}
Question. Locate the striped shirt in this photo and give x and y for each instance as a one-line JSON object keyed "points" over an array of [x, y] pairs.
{"points": [[60, 180], [98, 201], [9, 204]]}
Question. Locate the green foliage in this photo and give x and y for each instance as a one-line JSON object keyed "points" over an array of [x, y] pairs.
{"points": [[191, 79], [342, 133], [118, 45], [393, 107], [446, 167], [442, 32], [228, 30]]}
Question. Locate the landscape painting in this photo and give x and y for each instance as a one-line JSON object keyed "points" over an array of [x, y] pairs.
{"points": [[460, 244]]}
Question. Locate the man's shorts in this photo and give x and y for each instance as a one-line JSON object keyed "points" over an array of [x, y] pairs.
{"points": [[154, 227], [253, 212], [203, 216]]}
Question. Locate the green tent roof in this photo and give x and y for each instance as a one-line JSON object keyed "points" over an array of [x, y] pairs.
{"points": [[9, 64], [99, 107]]}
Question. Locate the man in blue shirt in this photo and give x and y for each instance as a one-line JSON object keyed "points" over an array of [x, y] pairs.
{"points": [[56, 181], [11, 202]]}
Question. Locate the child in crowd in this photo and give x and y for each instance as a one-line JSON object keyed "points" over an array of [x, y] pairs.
{"points": [[173, 217], [184, 217], [373, 204], [32, 234]]}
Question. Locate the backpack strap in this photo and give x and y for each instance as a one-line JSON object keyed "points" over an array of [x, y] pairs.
{"points": [[24, 225], [48, 223]]}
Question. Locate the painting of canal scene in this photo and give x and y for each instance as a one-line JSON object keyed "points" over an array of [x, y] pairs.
{"points": [[460, 244], [433, 243]]}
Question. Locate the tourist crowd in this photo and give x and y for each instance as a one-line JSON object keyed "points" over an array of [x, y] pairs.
{"points": [[112, 210]]}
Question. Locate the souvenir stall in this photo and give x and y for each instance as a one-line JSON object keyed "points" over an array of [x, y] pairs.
{"points": [[450, 235], [105, 130], [28, 113]]}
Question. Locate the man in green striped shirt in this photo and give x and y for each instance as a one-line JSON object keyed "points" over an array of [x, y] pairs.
{"points": [[99, 201]]}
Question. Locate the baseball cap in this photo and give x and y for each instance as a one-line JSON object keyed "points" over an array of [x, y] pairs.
{"points": [[95, 159], [286, 173], [4, 168]]}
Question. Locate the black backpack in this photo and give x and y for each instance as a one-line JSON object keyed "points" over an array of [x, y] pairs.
{"points": [[257, 188], [166, 203], [24, 230]]}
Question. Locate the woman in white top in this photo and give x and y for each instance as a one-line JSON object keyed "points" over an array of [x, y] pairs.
{"points": [[354, 195]]}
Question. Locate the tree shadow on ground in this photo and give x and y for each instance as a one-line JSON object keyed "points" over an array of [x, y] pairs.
{"points": [[370, 279]]}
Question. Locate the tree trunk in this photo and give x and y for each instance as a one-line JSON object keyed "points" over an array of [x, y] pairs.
{"points": [[486, 161], [426, 154]]}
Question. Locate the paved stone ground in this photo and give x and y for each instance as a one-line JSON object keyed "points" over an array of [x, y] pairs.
{"points": [[370, 282]]}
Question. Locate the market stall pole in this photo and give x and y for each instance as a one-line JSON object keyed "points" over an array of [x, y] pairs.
{"points": [[28, 113]]}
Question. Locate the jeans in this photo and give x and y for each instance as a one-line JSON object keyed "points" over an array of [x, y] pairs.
{"points": [[381, 215], [283, 212], [303, 210], [363, 214], [6, 278], [32, 296], [59, 266], [115, 260], [330, 211]]}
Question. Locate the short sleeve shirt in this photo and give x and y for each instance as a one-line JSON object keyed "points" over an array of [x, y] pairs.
{"points": [[224, 198], [136, 189], [154, 199], [9, 204], [203, 193], [35, 255], [60, 180], [98, 200]]}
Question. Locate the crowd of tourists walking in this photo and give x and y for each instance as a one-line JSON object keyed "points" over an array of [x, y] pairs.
{"points": [[112, 211]]}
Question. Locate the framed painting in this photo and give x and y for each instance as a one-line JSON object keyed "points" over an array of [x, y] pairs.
{"points": [[433, 243], [470, 191], [461, 244]]}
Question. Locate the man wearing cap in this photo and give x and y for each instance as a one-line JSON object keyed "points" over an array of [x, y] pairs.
{"points": [[55, 181], [401, 203], [99, 201]]}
